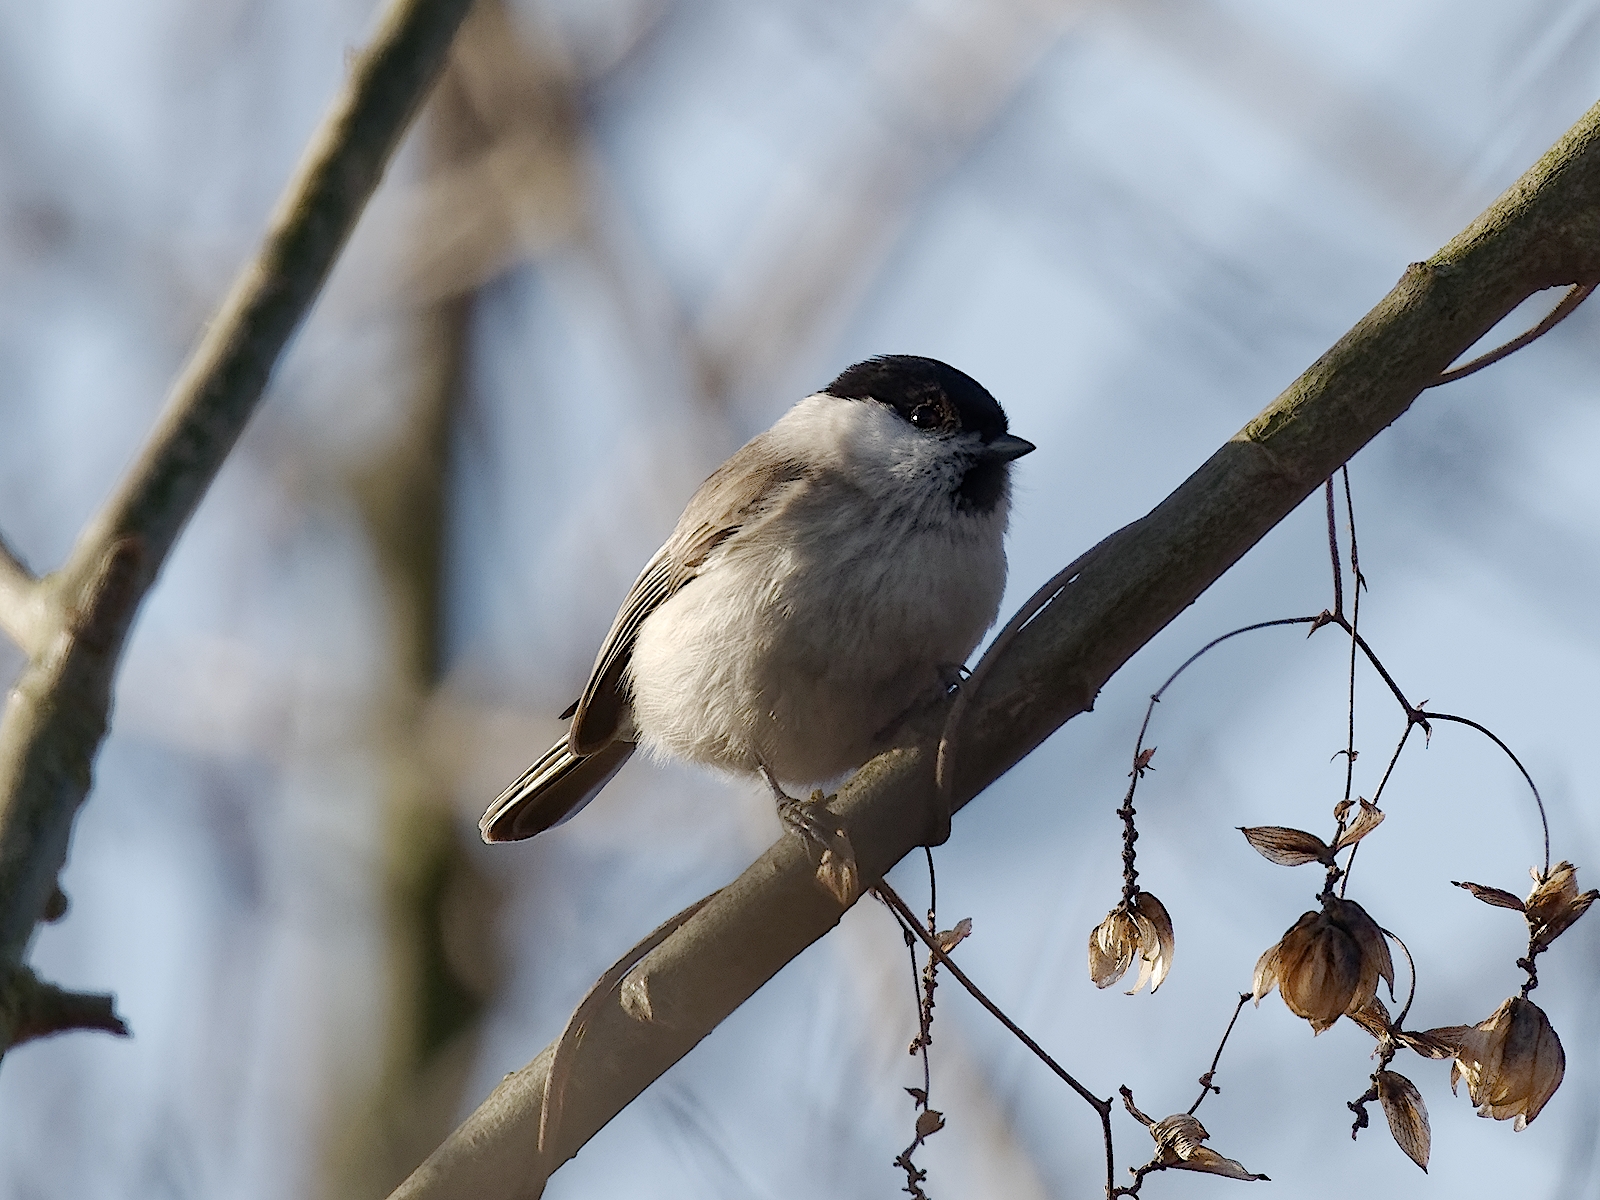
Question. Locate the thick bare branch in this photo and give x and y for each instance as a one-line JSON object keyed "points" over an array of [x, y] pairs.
{"points": [[1543, 232], [56, 715]]}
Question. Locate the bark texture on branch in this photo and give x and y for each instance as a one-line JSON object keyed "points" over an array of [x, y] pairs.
{"points": [[73, 623], [1543, 232]]}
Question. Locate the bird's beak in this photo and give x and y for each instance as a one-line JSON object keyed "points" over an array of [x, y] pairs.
{"points": [[1006, 447]]}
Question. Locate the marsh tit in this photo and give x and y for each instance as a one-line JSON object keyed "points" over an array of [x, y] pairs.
{"points": [[823, 584]]}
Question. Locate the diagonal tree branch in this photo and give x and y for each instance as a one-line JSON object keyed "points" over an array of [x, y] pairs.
{"points": [[56, 715], [1543, 232]]}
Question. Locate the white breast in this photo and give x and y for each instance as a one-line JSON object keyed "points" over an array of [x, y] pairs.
{"points": [[810, 633]]}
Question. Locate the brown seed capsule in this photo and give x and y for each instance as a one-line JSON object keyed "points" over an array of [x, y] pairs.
{"points": [[1140, 929], [1554, 904], [1327, 964], [1286, 847], [1178, 1139], [1512, 1061], [1408, 1115], [949, 939], [1368, 819], [1498, 897]]}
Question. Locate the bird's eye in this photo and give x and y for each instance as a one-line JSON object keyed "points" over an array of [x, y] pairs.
{"points": [[924, 416]]}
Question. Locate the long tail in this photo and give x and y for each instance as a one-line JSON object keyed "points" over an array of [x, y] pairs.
{"points": [[550, 791]]}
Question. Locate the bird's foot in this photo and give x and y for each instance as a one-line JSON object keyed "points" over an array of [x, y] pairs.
{"points": [[827, 844]]}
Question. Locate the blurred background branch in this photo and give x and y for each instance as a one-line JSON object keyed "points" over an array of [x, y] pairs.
{"points": [[1540, 234], [499, 180], [56, 717]]}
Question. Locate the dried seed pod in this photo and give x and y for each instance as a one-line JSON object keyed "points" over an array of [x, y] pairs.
{"points": [[949, 939], [1368, 819], [1512, 1061], [1287, 847], [1430, 1044], [1178, 1139], [1408, 1115], [1177, 1136], [1112, 946], [1327, 964], [1373, 1016], [1554, 904], [1498, 897], [1158, 944], [1138, 929]]}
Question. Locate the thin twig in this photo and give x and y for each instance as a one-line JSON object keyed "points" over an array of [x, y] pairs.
{"points": [[1350, 699], [923, 982], [1206, 1084], [1358, 581], [908, 920], [892, 899], [1377, 664], [1333, 553], [1155, 1164], [927, 979], [1411, 964], [1355, 625], [1544, 821], [1130, 835], [1569, 303], [918, 1043], [1217, 641], [1394, 758], [1412, 722]]}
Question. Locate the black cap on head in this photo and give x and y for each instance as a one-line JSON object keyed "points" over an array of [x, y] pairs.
{"points": [[931, 395]]}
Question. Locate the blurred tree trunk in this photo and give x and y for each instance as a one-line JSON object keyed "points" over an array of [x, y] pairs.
{"points": [[440, 906], [499, 181]]}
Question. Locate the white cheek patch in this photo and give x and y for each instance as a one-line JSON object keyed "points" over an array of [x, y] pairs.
{"points": [[878, 448]]}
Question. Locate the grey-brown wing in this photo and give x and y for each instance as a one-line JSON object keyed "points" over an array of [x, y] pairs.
{"points": [[743, 486], [599, 711], [554, 788]]}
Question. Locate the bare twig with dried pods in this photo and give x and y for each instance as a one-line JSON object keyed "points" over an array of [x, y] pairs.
{"points": [[1329, 963]]}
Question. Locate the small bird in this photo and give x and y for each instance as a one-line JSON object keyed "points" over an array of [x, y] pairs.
{"points": [[824, 583]]}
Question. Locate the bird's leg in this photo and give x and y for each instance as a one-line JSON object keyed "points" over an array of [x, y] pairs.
{"points": [[819, 830], [808, 818], [953, 675]]}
